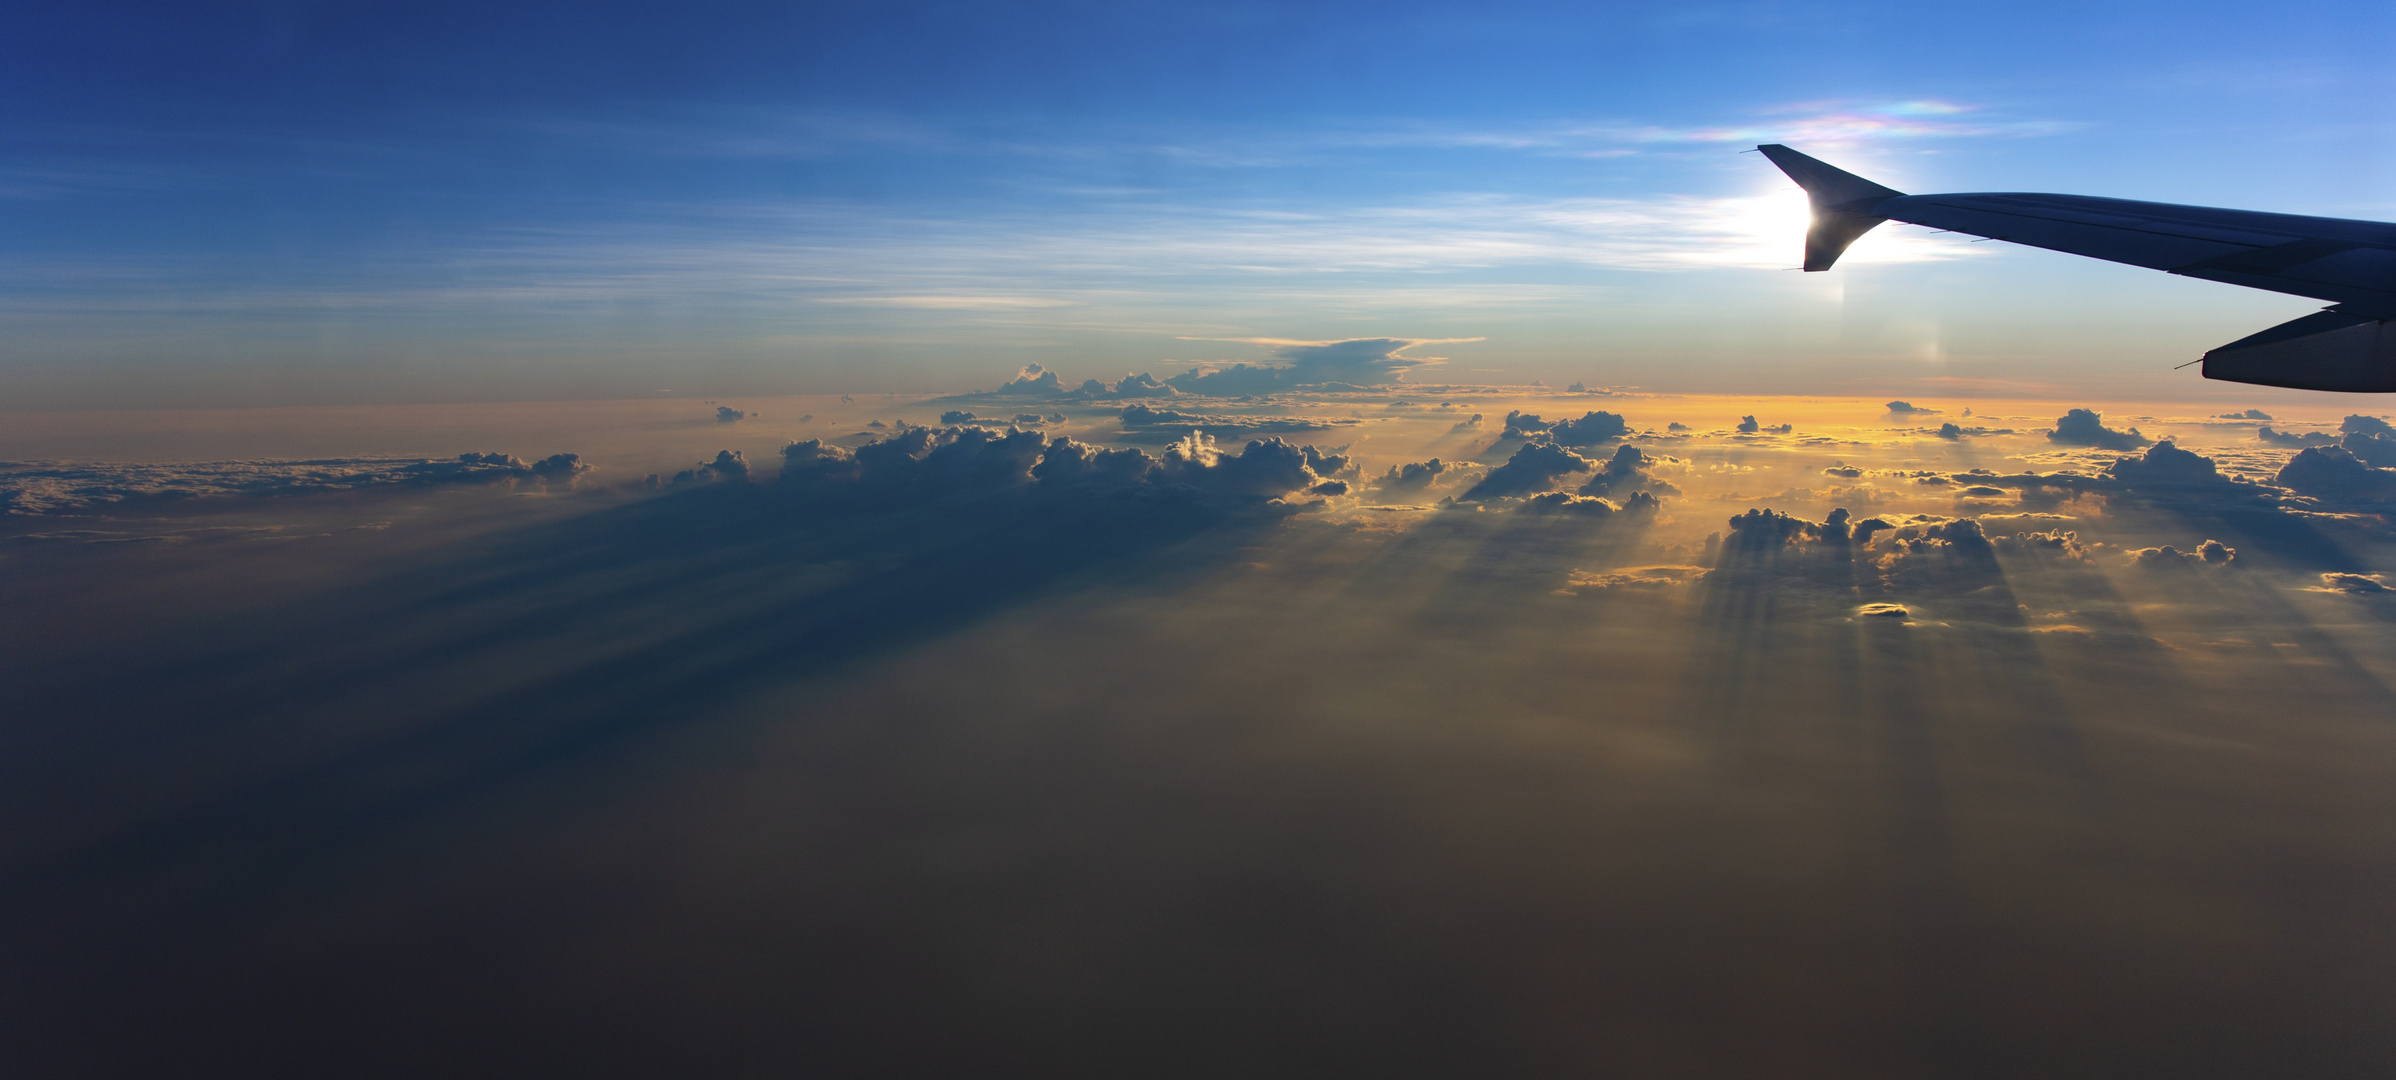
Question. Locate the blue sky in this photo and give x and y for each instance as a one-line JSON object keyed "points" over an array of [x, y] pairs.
{"points": [[306, 203]]}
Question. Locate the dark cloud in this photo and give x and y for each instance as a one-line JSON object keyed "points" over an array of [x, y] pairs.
{"points": [[957, 416], [1467, 425], [2084, 427], [2335, 473], [1907, 408], [1523, 425], [2250, 414], [64, 487], [561, 467], [2054, 543], [729, 466], [726, 414], [928, 462], [1961, 533], [2289, 440], [1749, 426], [1532, 469], [1842, 469], [2165, 473], [2358, 424], [2378, 451], [1356, 363], [2211, 554], [1130, 386], [2359, 584], [1768, 530], [2165, 464], [1331, 463], [1413, 476], [1625, 472], [1590, 430]]}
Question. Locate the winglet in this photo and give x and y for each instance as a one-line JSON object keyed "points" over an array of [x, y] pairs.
{"points": [[1842, 203]]}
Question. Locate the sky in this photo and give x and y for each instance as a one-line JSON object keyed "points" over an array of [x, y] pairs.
{"points": [[1108, 540], [291, 203]]}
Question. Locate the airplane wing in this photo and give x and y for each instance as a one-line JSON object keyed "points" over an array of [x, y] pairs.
{"points": [[2349, 346]]}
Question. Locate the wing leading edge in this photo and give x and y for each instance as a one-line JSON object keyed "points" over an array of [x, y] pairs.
{"points": [[2352, 264]]}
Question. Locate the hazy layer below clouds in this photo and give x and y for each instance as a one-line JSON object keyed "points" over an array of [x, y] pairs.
{"points": [[1006, 777]]}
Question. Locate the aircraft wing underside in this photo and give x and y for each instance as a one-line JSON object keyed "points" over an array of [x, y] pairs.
{"points": [[2352, 263]]}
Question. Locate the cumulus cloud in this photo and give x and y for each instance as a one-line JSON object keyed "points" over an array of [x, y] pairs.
{"points": [[1907, 408], [1467, 425], [1532, 469], [1560, 503], [2250, 414], [2358, 424], [2165, 473], [2054, 543], [2290, 440], [729, 466], [2210, 554], [1137, 385], [1767, 530], [1032, 381], [1523, 425], [726, 414], [1591, 429], [1412, 476], [2374, 450], [923, 462], [2165, 464], [2334, 472], [2085, 427], [1626, 471]]}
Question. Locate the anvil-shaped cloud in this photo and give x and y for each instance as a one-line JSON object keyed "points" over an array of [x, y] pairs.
{"points": [[1359, 361]]}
